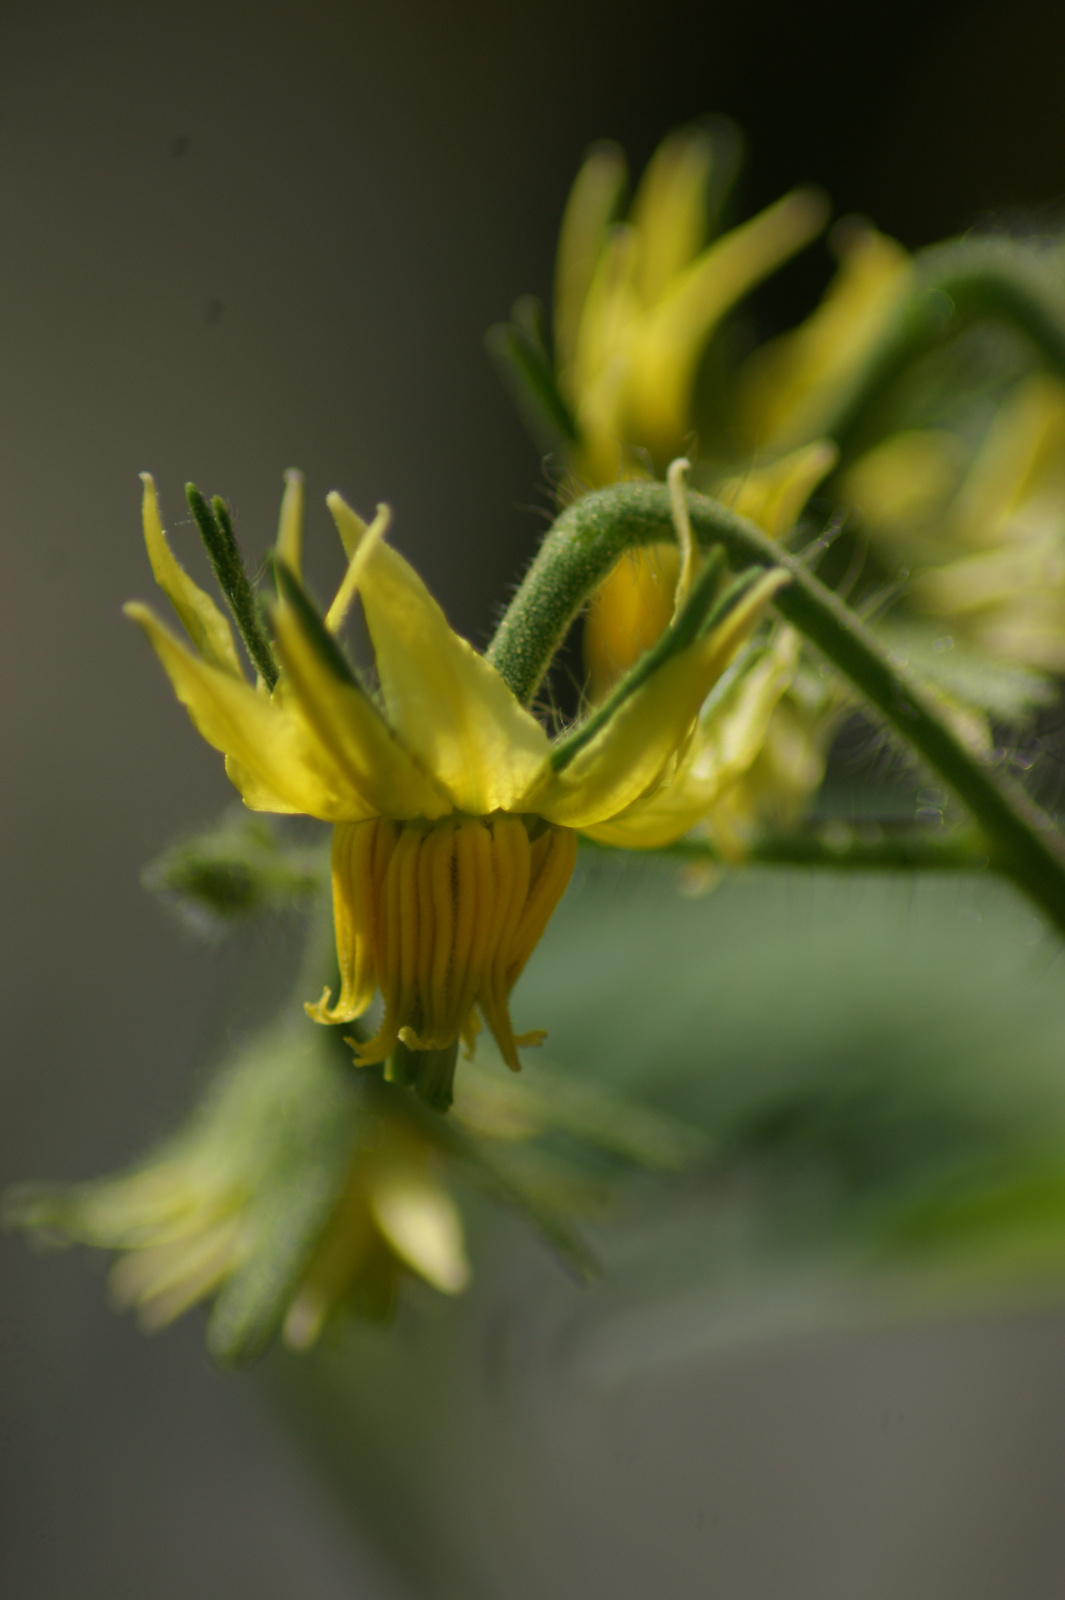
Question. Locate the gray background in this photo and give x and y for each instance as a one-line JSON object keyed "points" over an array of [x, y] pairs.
{"points": [[240, 237]]}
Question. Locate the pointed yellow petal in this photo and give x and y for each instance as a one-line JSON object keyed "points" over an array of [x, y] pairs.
{"points": [[350, 727], [669, 212], [591, 205], [421, 1223], [723, 748], [358, 542], [200, 617], [790, 383], [629, 611], [599, 378], [672, 337], [290, 524], [280, 755], [350, 525], [450, 707], [628, 756]]}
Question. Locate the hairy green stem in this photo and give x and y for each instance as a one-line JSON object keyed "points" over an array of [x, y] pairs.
{"points": [[955, 285], [590, 536]]}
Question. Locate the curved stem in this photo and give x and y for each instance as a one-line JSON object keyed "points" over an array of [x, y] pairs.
{"points": [[956, 285], [590, 536]]}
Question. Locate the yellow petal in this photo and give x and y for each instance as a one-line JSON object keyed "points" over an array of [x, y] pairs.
{"points": [[351, 728], [280, 755], [629, 754], [611, 311], [904, 484], [672, 338], [790, 383], [629, 611], [421, 1223], [669, 211], [349, 524], [200, 617], [591, 205], [1019, 460], [358, 542], [774, 496], [450, 707], [290, 524], [725, 744]]}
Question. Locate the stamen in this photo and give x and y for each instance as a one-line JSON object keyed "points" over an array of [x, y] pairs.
{"points": [[441, 919]]}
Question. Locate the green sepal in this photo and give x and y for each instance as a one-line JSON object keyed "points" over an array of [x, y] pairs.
{"points": [[518, 350], [220, 541], [250, 1308], [304, 1128], [312, 624]]}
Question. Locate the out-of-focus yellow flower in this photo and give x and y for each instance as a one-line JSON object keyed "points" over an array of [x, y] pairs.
{"points": [[279, 1184], [790, 386], [394, 1216], [787, 759], [636, 302], [454, 815], [757, 751], [986, 543]]}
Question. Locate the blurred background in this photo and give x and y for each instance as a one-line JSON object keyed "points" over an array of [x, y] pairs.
{"points": [[238, 238]]}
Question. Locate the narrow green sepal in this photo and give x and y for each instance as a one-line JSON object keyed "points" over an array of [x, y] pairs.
{"points": [[518, 350], [314, 629], [729, 599], [220, 541]]}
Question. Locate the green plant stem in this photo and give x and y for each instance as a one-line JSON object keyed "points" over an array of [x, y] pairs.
{"points": [[954, 286], [839, 847], [590, 536]]}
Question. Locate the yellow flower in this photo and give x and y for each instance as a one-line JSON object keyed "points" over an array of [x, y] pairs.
{"points": [[394, 1216], [985, 541], [790, 386], [455, 817], [235, 1210], [636, 303]]}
